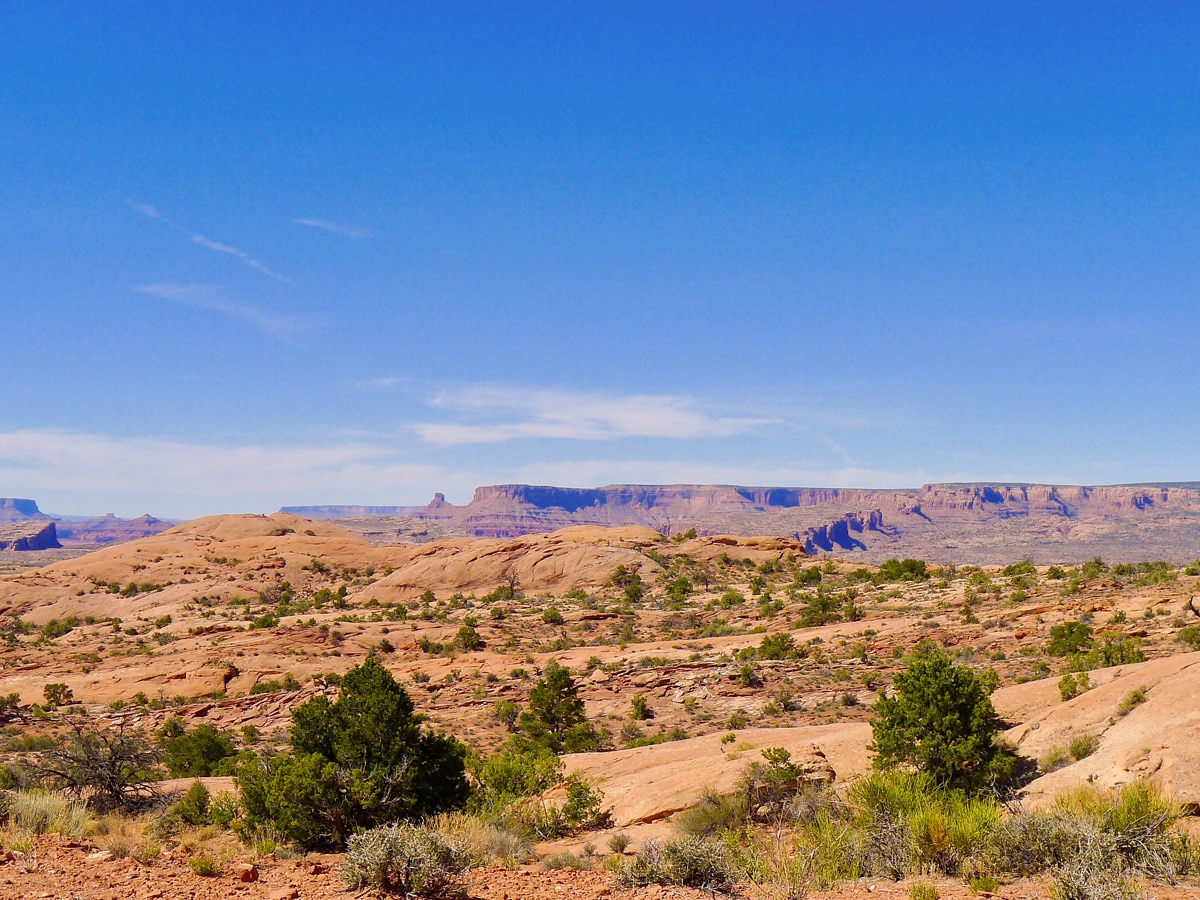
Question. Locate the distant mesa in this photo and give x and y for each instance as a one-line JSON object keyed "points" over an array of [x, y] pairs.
{"points": [[350, 512], [13, 509], [111, 530], [971, 522], [72, 529]]}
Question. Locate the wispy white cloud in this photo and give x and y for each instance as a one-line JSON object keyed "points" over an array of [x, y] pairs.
{"points": [[240, 254], [151, 212], [495, 414], [355, 232], [200, 240], [214, 299], [174, 476]]}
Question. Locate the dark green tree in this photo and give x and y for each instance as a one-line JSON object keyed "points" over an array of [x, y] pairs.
{"points": [[556, 718], [939, 719], [196, 753], [1068, 638], [359, 761]]}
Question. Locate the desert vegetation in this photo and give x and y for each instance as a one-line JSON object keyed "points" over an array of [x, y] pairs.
{"points": [[422, 733]]}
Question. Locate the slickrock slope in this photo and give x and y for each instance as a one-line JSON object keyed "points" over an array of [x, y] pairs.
{"points": [[648, 784], [1158, 739], [585, 555]]}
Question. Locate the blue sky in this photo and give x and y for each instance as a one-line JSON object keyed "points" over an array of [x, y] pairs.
{"points": [[285, 253]]}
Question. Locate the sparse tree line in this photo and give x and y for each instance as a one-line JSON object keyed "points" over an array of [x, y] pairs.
{"points": [[414, 808]]}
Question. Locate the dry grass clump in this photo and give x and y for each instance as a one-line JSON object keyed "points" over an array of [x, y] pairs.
{"points": [[508, 848], [564, 860], [713, 814], [45, 812], [1052, 759], [1092, 843], [480, 839], [123, 837], [1083, 746], [1132, 828]]}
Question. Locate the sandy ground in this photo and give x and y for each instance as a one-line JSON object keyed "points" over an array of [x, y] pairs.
{"points": [[74, 870]]}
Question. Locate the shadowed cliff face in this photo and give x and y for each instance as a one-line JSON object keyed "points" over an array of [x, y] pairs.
{"points": [[32, 535]]}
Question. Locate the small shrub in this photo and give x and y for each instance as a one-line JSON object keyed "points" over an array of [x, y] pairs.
{"points": [[223, 809], [411, 859], [689, 861], [748, 675], [357, 761], [619, 843], [467, 639], [923, 890], [1068, 638], [196, 753], [1133, 699], [639, 709], [901, 570], [1189, 635], [1072, 685], [57, 694], [582, 811], [1055, 758], [564, 860], [193, 808], [778, 646], [1083, 746], [205, 866], [939, 718], [713, 814]]}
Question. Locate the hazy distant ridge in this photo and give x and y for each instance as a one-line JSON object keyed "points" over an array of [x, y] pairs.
{"points": [[969, 522]]}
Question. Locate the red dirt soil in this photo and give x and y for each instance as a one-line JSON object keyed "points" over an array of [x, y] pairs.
{"points": [[64, 870]]}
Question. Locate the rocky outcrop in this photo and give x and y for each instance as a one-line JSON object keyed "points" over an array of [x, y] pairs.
{"points": [[840, 533], [33, 535]]}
